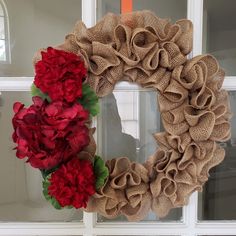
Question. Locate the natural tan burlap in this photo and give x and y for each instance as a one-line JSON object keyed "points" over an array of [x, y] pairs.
{"points": [[142, 48]]}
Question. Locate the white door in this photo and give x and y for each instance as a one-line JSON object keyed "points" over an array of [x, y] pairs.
{"points": [[25, 26]]}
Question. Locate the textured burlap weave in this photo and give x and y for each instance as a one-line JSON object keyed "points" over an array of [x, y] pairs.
{"points": [[142, 48]]}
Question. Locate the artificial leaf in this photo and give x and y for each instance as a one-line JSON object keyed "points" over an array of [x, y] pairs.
{"points": [[45, 173], [101, 172], [55, 203], [52, 200], [89, 100], [37, 92]]}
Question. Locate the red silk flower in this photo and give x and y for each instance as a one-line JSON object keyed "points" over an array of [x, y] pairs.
{"points": [[60, 74], [73, 183], [49, 134]]}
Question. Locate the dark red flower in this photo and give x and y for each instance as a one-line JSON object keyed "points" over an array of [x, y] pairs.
{"points": [[49, 134], [73, 183], [60, 74]]}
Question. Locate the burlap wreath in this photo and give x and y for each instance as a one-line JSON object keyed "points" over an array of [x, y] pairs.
{"points": [[142, 48]]}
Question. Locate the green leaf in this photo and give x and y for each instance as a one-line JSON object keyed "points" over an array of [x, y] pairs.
{"points": [[45, 173], [89, 100], [55, 203], [52, 200], [37, 92], [101, 172]]}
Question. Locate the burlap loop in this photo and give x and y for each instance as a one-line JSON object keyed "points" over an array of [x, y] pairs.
{"points": [[142, 48], [126, 191], [134, 42], [175, 176]]}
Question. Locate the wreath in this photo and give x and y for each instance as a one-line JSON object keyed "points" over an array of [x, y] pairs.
{"points": [[56, 135]]}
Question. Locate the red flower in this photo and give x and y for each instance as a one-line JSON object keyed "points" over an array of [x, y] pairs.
{"points": [[60, 74], [73, 183], [49, 134]]}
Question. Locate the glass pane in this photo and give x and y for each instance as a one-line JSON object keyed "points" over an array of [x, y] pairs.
{"points": [[2, 50], [37, 24], [1, 11], [21, 196], [126, 124], [2, 28], [217, 202], [173, 9], [219, 32]]}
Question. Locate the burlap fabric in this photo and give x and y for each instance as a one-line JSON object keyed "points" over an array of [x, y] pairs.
{"points": [[142, 48]]}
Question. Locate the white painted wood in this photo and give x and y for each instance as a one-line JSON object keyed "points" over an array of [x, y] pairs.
{"points": [[15, 83], [42, 229], [188, 227], [89, 18], [89, 12], [195, 14], [24, 84]]}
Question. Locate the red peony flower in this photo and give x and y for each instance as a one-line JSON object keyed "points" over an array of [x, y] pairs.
{"points": [[60, 74], [73, 183], [49, 134]]}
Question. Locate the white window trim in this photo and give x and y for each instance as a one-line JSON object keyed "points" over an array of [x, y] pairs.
{"points": [[188, 227]]}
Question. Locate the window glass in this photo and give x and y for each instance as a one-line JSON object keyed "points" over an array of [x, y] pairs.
{"points": [[173, 9], [33, 25], [126, 124], [219, 32]]}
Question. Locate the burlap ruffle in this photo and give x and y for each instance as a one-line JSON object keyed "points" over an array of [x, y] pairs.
{"points": [[126, 191], [178, 168], [137, 47], [142, 48]]}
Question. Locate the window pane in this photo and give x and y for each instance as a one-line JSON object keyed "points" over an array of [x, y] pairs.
{"points": [[173, 9], [37, 24], [217, 202], [219, 32], [21, 196], [2, 28], [1, 11], [2, 51], [125, 127]]}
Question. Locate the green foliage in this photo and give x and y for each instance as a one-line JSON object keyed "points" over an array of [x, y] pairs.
{"points": [[45, 173], [37, 92], [101, 172], [52, 200], [89, 100]]}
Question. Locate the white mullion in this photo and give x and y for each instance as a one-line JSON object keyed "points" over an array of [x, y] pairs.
{"points": [[89, 12], [89, 18], [89, 222], [24, 84], [60, 228], [195, 14], [140, 228], [230, 83], [15, 83]]}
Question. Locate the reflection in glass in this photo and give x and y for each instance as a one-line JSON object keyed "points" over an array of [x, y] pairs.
{"points": [[21, 196], [173, 9], [219, 32], [33, 25], [217, 202], [126, 123], [3, 34]]}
